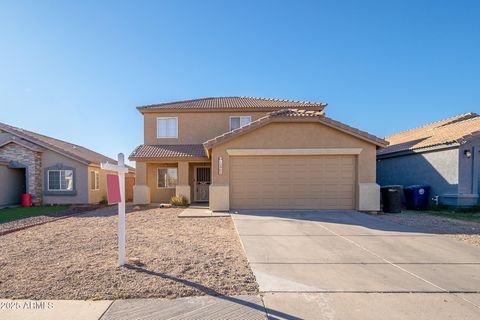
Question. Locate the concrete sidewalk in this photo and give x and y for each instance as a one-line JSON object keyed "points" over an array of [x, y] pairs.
{"points": [[52, 309], [206, 307]]}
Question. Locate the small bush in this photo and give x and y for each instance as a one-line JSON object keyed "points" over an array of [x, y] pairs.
{"points": [[104, 200], [180, 201]]}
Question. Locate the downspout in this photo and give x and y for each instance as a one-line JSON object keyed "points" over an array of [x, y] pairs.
{"points": [[475, 170]]}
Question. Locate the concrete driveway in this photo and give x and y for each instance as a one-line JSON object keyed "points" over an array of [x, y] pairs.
{"points": [[349, 265]]}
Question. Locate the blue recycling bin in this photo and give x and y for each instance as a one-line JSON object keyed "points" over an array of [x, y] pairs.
{"points": [[416, 197]]}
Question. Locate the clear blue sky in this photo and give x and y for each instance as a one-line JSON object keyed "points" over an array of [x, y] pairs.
{"points": [[77, 70]]}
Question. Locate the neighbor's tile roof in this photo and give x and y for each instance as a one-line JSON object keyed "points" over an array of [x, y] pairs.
{"points": [[66, 148], [234, 103], [295, 113], [168, 151], [451, 130]]}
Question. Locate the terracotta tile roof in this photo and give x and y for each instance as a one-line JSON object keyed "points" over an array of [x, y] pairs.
{"points": [[234, 103], [448, 131], [186, 151], [354, 131], [295, 113], [68, 149]]}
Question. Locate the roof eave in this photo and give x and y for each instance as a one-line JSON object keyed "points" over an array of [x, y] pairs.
{"points": [[381, 143], [167, 159], [400, 153], [268, 119], [48, 146]]}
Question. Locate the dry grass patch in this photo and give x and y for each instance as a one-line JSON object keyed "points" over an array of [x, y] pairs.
{"points": [[75, 258]]}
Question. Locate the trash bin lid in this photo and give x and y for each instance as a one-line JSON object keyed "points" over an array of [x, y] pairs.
{"points": [[418, 186], [392, 187]]}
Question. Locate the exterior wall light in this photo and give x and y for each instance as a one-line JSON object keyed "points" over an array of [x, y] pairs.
{"points": [[220, 166], [467, 153]]}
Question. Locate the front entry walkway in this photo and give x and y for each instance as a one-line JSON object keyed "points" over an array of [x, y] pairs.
{"points": [[349, 265], [200, 210]]}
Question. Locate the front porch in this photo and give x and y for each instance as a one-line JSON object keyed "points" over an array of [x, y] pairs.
{"points": [[159, 181]]}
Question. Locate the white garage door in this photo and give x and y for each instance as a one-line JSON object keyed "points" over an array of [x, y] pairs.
{"points": [[292, 182]]}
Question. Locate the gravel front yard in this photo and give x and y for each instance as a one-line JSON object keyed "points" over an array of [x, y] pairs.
{"points": [[467, 231], [75, 258]]}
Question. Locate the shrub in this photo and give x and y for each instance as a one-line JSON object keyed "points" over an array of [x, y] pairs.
{"points": [[104, 200], [179, 200]]}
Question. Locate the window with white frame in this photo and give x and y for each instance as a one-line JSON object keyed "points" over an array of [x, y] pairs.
{"points": [[167, 178], [95, 180], [239, 121], [167, 127], [60, 180]]}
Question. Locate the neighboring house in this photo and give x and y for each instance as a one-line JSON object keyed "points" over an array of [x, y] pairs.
{"points": [[51, 170], [444, 155], [254, 153]]}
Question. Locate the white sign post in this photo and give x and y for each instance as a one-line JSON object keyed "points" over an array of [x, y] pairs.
{"points": [[121, 169]]}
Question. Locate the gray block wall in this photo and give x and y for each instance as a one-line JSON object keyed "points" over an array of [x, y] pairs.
{"points": [[439, 169]]}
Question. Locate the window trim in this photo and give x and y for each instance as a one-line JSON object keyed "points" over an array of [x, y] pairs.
{"points": [[230, 121], [176, 127], [96, 180], [158, 176], [59, 166], [59, 190]]}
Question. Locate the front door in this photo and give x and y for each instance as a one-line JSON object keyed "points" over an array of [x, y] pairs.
{"points": [[202, 183]]}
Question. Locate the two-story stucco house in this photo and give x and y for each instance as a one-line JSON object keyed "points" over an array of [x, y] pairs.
{"points": [[254, 153]]}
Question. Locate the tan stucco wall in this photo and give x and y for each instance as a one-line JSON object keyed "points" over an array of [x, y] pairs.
{"points": [[95, 196], [129, 183], [146, 175], [50, 158], [194, 128], [296, 135]]}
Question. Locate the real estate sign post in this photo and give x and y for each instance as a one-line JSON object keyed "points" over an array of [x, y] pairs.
{"points": [[116, 194]]}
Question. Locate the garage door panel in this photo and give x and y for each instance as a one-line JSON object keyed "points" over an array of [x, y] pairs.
{"points": [[293, 182]]}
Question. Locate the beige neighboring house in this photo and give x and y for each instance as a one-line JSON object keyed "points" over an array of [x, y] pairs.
{"points": [[254, 153], [51, 170]]}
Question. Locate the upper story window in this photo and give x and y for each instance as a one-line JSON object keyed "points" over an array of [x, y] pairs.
{"points": [[167, 127], [60, 180], [239, 121], [95, 180]]}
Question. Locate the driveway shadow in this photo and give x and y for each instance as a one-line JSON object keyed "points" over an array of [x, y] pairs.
{"points": [[353, 218], [273, 314]]}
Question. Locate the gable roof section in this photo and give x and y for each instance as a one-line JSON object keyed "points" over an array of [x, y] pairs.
{"points": [[295, 115], [444, 132], [170, 151], [70, 150], [229, 103], [10, 138]]}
